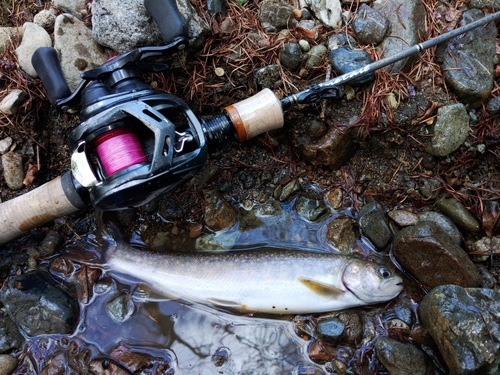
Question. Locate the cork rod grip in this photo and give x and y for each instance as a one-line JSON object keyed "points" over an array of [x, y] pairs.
{"points": [[35, 208]]}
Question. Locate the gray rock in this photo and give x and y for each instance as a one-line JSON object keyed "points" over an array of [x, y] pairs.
{"points": [[443, 222], [268, 76], [73, 7], [345, 60], [37, 306], [403, 218], [481, 4], [9, 34], [485, 248], [315, 56], [372, 223], [329, 12], [330, 330], [310, 209], [450, 130], [45, 18], [121, 308], [275, 15], [458, 213], [218, 213], [76, 48], [405, 18], [291, 55], [11, 103], [465, 324], [51, 243], [10, 337], [13, 171], [285, 192], [493, 106], [433, 258], [341, 40], [467, 61], [5, 145], [8, 364], [34, 36], [370, 25], [400, 358], [341, 234]]}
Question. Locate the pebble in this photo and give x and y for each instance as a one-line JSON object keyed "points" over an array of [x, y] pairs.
{"points": [[370, 26], [316, 55], [340, 234], [219, 214], [34, 37], [400, 358], [431, 256], [329, 12], [371, 221], [45, 18], [121, 308], [267, 76], [7, 364], [465, 324], [13, 170], [11, 103], [330, 330], [310, 209], [5, 145], [51, 243], [335, 198], [484, 248], [458, 213], [403, 218], [304, 45]]}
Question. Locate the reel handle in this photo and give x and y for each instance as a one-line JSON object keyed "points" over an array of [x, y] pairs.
{"points": [[46, 63], [168, 18], [56, 198]]}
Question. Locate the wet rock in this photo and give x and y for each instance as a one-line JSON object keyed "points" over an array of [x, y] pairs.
{"points": [[444, 223], [13, 171], [218, 213], [458, 213], [275, 15], [121, 308], [315, 56], [8, 364], [38, 306], [11, 103], [341, 234], [267, 76], [73, 7], [467, 60], [45, 18], [465, 325], [370, 25], [450, 130], [484, 248], [329, 12], [332, 149], [310, 209], [51, 243], [283, 193], [403, 218], [335, 198], [330, 330], [7, 34], [34, 37], [76, 48], [10, 337], [353, 326], [320, 353], [400, 358], [429, 187], [487, 279], [345, 60], [372, 223], [405, 18], [431, 256], [291, 55]]}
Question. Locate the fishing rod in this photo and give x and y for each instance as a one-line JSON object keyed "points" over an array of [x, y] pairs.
{"points": [[135, 143]]}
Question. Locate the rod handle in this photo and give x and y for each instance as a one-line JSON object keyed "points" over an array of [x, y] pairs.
{"points": [[169, 19], [39, 206]]}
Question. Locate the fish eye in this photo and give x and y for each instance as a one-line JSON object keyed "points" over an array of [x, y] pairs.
{"points": [[384, 272]]}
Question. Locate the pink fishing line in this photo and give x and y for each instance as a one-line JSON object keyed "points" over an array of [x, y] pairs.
{"points": [[119, 149]]}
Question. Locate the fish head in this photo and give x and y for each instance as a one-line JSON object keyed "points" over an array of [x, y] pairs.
{"points": [[371, 282]]}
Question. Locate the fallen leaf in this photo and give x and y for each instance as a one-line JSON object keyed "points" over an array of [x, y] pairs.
{"points": [[30, 174]]}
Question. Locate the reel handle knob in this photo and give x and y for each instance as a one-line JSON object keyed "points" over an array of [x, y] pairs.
{"points": [[169, 19], [46, 63]]}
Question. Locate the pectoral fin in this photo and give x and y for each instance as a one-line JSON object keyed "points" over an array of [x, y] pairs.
{"points": [[320, 288], [225, 303]]}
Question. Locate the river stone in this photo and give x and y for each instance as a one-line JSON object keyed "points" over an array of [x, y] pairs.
{"points": [[450, 130], [458, 213], [467, 61], [403, 218], [310, 209], [275, 15], [9, 34], [8, 364], [34, 36], [329, 12], [121, 308], [38, 306], [267, 76], [73, 7], [45, 18], [431, 256], [493, 106], [341, 234], [330, 330], [485, 248], [76, 48], [465, 324], [372, 223], [10, 337], [315, 56], [407, 22], [443, 222], [218, 213], [13, 171], [370, 25], [346, 60], [400, 358], [291, 55], [11, 103]]}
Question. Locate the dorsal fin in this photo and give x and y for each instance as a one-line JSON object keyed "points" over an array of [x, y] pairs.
{"points": [[320, 288]]}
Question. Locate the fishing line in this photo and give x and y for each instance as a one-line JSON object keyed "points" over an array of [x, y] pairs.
{"points": [[119, 149]]}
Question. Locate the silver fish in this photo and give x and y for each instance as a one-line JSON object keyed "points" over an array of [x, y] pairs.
{"points": [[264, 281]]}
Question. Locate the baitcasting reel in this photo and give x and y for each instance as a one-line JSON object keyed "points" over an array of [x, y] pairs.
{"points": [[136, 143]]}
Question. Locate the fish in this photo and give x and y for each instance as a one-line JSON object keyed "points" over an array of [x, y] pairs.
{"points": [[269, 281]]}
